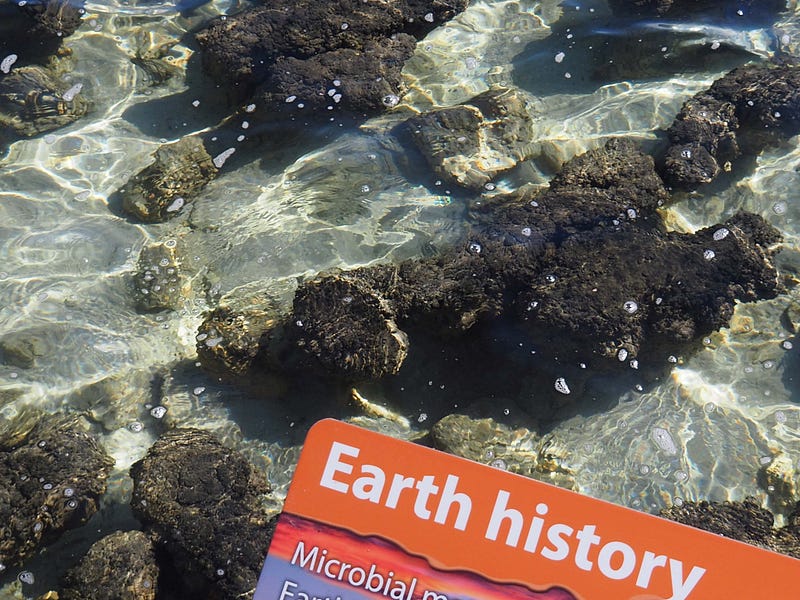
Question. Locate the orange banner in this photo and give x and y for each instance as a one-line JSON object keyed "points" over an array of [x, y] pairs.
{"points": [[480, 527]]}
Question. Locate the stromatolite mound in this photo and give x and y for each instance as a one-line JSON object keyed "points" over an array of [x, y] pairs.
{"points": [[740, 114], [471, 143], [120, 566], [35, 29], [158, 283], [745, 521], [241, 49], [519, 450], [50, 483], [159, 192], [228, 340], [361, 82], [205, 503], [585, 271], [34, 101]]}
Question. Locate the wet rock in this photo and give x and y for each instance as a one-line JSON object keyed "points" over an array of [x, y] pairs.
{"points": [[470, 144], [35, 31], [240, 49], [20, 350], [779, 479], [363, 82], [745, 111], [229, 340], [158, 283], [516, 450], [585, 268], [120, 566], [51, 483], [54, 18], [744, 521], [161, 191], [205, 502], [34, 101], [18, 420], [349, 327]]}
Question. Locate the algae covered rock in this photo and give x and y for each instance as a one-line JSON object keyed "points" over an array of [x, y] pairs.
{"points": [[159, 192], [241, 49], [740, 114], [205, 502], [120, 566], [745, 521], [50, 483], [349, 327], [471, 143], [54, 18]]}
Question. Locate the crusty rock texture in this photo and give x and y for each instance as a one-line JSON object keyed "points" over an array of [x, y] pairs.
{"points": [[745, 111], [204, 501], [120, 566], [48, 484]]}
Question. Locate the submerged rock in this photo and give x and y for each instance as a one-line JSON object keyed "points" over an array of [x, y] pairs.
{"points": [[471, 143], [205, 502], [228, 341], [243, 48], [35, 30], [745, 111], [34, 101], [158, 283], [518, 451], [587, 262], [361, 82], [744, 521], [159, 192], [51, 483], [22, 349], [53, 18], [120, 566]]}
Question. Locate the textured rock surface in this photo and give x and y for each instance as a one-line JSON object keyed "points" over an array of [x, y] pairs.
{"points": [[160, 191], [34, 101], [515, 450], [50, 483], [158, 283], [241, 49], [587, 262], [743, 112], [120, 566], [228, 340], [204, 501], [471, 143], [363, 82], [744, 521]]}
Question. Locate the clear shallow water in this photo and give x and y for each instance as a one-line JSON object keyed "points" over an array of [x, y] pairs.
{"points": [[342, 198]]}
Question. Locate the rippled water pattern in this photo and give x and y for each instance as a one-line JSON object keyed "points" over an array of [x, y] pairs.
{"points": [[339, 199]]}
